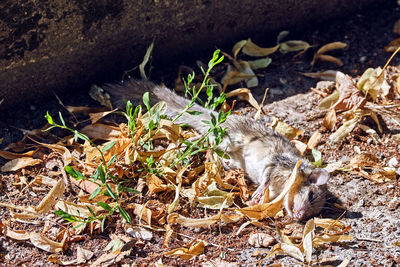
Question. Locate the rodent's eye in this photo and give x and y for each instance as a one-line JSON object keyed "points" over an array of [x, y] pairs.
{"points": [[311, 197]]}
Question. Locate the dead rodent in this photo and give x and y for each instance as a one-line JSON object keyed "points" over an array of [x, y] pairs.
{"points": [[266, 156]]}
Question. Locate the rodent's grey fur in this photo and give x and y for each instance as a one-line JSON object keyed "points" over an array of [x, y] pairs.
{"points": [[266, 156]]}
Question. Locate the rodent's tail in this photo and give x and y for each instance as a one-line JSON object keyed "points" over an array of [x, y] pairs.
{"points": [[133, 90]]}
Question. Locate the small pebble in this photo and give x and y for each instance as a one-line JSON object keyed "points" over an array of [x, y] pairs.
{"points": [[392, 163], [363, 59]]}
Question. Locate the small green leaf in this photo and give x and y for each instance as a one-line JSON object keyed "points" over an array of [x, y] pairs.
{"points": [[104, 206], [125, 215], [317, 158], [49, 118], [130, 190], [221, 154], [111, 161], [61, 118], [66, 216], [109, 146], [146, 100], [109, 190], [91, 211], [194, 112], [101, 173], [95, 193], [74, 173]]}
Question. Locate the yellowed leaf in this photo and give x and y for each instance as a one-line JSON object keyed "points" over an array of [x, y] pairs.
{"points": [[101, 131], [308, 235], [20, 163], [95, 117], [270, 209], [188, 253], [237, 47], [286, 249], [46, 244], [319, 240], [329, 101], [12, 155], [329, 121], [344, 130], [326, 48], [393, 45], [328, 75], [246, 95], [364, 160], [314, 140], [329, 224], [259, 63], [293, 46], [51, 198], [203, 222], [233, 77], [285, 129], [251, 49]]}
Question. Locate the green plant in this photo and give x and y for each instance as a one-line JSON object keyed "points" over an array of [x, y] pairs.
{"points": [[102, 178], [218, 132]]}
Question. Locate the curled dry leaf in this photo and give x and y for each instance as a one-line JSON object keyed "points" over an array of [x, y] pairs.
{"points": [[393, 45], [244, 67], [350, 96], [46, 244], [329, 121], [286, 249], [372, 82], [95, 117], [344, 130], [246, 95], [203, 222], [214, 198], [308, 236], [270, 209], [188, 253], [328, 75], [50, 200], [314, 140], [326, 48], [302, 147], [261, 240], [360, 161], [12, 155], [101, 131], [285, 129], [251, 49], [233, 77], [20, 163], [293, 46]]}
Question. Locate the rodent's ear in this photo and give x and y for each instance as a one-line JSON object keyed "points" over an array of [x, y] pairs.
{"points": [[319, 176]]}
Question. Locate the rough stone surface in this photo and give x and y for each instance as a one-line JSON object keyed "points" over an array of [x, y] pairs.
{"points": [[54, 45]]}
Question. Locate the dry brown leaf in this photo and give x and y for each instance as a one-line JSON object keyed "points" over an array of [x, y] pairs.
{"points": [[95, 117], [314, 140], [101, 131], [326, 48], [20, 235], [233, 77], [141, 211], [203, 222], [20, 163], [329, 121], [188, 253], [293, 46], [50, 200], [329, 224], [393, 45], [319, 240], [328, 75], [302, 147], [79, 210], [237, 47], [82, 256], [46, 244], [286, 249], [261, 240], [251, 49], [155, 184], [12, 155], [285, 129], [246, 95], [62, 150], [270, 209], [350, 96], [308, 236], [360, 161]]}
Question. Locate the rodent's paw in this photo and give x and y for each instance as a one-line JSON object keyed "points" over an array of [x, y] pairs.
{"points": [[258, 196]]}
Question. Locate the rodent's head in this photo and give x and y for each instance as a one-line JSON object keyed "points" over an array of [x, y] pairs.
{"points": [[308, 194]]}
